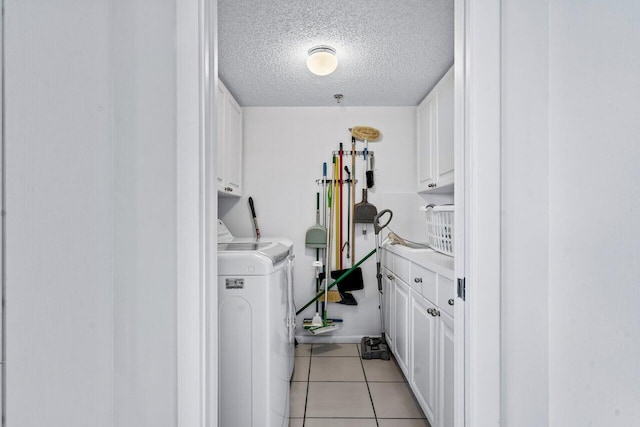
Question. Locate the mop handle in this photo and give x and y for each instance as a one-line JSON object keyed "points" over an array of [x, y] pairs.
{"points": [[338, 280]]}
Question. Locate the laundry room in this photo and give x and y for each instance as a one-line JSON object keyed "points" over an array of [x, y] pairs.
{"points": [[436, 227], [302, 151]]}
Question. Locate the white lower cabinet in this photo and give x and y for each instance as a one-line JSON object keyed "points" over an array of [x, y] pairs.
{"points": [[445, 371], [402, 325], [420, 335], [388, 289], [423, 337]]}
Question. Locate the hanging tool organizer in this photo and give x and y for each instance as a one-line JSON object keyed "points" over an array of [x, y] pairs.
{"points": [[335, 263], [342, 187]]}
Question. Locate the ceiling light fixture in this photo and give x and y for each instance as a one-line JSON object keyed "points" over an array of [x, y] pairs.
{"points": [[322, 60]]}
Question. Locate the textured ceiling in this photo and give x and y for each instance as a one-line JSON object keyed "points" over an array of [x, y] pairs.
{"points": [[390, 53]]}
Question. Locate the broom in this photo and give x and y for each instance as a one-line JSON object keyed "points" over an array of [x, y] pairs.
{"points": [[326, 326]]}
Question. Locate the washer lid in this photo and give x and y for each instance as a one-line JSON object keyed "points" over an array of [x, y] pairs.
{"points": [[243, 246], [275, 252]]}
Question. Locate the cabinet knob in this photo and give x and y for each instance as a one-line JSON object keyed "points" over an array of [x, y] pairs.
{"points": [[451, 302], [418, 280], [430, 311], [389, 276], [435, 313]]}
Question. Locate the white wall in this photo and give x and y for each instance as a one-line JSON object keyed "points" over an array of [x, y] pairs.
{"points": [[144, 212], [284, 149], [59, 198], [570, 205], [594, 200], [525, 223], [91, 213]]}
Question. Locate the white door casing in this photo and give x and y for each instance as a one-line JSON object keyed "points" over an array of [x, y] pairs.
{"points": [[477, 223]]}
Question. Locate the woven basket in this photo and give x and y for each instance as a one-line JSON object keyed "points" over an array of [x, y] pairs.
{"points": [[365, 132]]}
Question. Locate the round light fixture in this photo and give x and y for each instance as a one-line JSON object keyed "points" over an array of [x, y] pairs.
{"points": [[322, 60]]}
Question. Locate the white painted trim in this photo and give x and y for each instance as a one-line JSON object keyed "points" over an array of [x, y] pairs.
{"points": [[209, 207], [196, 41], [459, 133], [3, 253], [482, 256]]}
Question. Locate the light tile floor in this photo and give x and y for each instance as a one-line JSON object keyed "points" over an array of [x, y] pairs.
{"points": [[333, 386]]}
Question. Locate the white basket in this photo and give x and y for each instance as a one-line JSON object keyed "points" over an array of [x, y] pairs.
{"points": [[440, 228]]}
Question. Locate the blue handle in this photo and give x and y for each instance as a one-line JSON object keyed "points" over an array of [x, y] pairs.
{"points": [[324, 169]]}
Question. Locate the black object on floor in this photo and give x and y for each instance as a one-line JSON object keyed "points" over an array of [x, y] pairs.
{"points": [[347, 299], [374, 348]]}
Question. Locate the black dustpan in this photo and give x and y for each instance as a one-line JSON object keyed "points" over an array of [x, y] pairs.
{"points": [[364, 212], [347, 299], [352, 282]]}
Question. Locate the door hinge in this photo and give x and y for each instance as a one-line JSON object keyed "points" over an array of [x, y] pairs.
{"points": [[462, 288]]}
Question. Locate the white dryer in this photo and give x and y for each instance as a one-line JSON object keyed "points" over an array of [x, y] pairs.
{"points": [[256, 318]]}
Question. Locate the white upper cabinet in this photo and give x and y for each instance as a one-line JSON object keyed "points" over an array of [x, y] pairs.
{"points": [[435, 136], [229, 155], [426, 150], [444, 165]]}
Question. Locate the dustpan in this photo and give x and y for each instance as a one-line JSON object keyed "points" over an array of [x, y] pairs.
{"points": [[352, 282], [364, 212], [316, 234]]}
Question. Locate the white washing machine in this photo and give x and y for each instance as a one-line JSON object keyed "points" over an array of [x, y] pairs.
{"points": [[256, 316]]}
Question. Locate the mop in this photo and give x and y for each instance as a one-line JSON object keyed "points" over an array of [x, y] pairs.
{"points": [[316, 237], [326, 325]]}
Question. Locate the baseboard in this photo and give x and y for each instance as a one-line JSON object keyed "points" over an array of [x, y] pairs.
{"points": [[328, 339]]}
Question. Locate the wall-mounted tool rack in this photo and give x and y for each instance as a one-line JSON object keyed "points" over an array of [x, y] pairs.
{"points": [[348, 153], [331, 181]]}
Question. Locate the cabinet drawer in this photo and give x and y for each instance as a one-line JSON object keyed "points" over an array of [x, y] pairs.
{"points": [[446, 293], [428, 280], [402, 269]]}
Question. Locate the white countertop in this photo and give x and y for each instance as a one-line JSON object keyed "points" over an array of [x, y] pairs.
{"points": [[426, 257]]}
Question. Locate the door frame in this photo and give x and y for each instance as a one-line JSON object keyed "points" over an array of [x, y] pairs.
{"points": [[477, 136], [477, 197], [197, 206]]}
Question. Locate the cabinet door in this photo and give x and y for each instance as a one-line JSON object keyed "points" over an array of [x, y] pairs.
{"points": [[424, 337], [426, 136], [445, 163], [445, 372], [388, 289], [220, 102], [402, 325], [233, 145]]}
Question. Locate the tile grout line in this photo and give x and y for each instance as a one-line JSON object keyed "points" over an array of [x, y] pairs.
{"points": [[306, 399], [364, 372]]}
